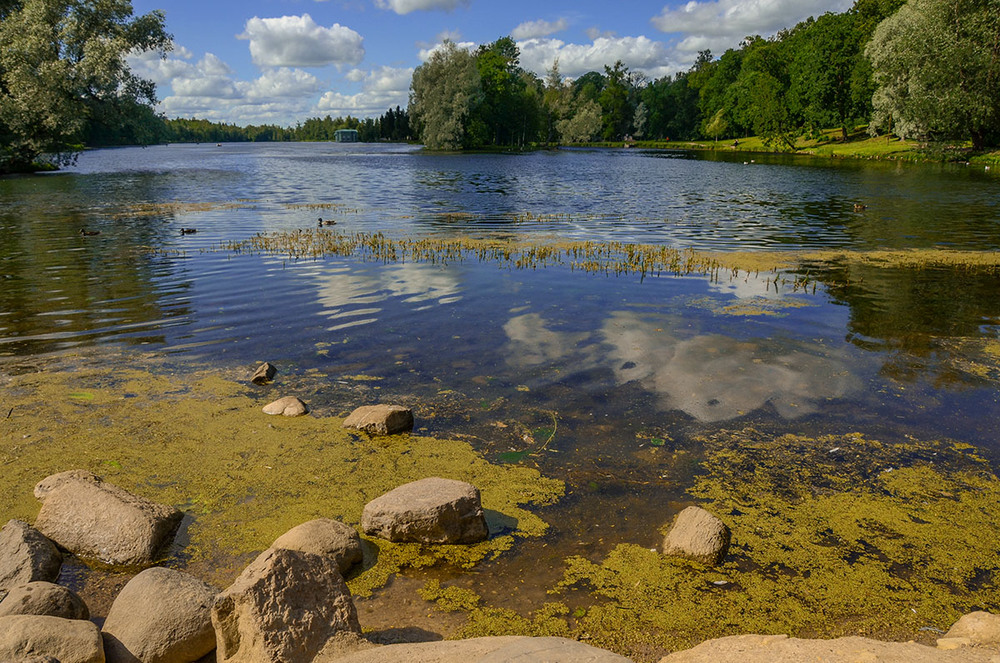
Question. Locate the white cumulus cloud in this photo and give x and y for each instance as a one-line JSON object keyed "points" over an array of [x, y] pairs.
{"points": [[298, 41], [282, 83], [722, 24], [407, 6], [381, 89], [641, 53], [537, 29]]}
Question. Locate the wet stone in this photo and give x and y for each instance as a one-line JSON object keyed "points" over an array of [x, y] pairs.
{"points": [[432, 510], [380, 419], [697, 535], [99, 520], [289, 406], [264, 374]]}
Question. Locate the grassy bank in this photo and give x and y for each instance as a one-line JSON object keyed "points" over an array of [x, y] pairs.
{"points": [[859, 145]]}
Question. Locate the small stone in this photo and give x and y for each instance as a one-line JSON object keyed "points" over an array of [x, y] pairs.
{"points": [[284, 607], [44, 598], [26, 555], [66, 640], [160, 616], [380, 419], [432, 510], [290, 406], [264, 374], [324, 537], [697, 535], [95, 519]]}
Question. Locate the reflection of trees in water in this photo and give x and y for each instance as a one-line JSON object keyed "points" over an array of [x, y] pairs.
{"points": [[59, 284], [937, 322]]}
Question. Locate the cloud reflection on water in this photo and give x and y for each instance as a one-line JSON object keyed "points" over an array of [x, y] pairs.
{"points": [[711, 377], [353, 295]]}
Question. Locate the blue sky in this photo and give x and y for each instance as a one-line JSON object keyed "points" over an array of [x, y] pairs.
{"points": [[283, 61]]}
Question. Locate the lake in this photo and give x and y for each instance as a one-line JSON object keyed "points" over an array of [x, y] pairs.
{"points": [[581, 374]]}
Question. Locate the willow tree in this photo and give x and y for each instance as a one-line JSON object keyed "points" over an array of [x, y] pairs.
{"points": [[62, 65], [936, 65], [443, 92]]}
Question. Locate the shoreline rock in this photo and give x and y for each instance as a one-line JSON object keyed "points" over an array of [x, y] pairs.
{"points": [[380, 419], [327, 538], [432, 510], [699, 536], [782, 649], [160, 615], [26, 555], [288, 406], [91, 518], [284, 607]]}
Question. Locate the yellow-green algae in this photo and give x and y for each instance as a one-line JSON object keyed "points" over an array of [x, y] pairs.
{"points": [[832, 536], [200, 442]]}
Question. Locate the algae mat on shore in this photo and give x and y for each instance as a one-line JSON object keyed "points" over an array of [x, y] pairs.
{"points": [[837, 535], [200, 442]]}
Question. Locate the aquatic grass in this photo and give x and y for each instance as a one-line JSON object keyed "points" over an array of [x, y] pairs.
{"points": [[795, 271]]}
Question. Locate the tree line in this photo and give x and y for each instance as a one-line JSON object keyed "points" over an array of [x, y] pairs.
{"points": [[393, 125], [926, 69]]}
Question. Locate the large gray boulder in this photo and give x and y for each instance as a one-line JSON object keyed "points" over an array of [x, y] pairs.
{"points": [[44, 598], [504, 649], [283, 608], [432, 510], [772, 648], [35, 636], [380, 419], [160, 616], [26, 555], [327, 538], [95, 519], [697, 535]]}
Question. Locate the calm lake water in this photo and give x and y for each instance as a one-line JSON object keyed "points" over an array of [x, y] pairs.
{"points": [[615, 360]]}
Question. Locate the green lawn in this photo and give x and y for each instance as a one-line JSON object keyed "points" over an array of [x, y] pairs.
{"points": [[859, 145]]}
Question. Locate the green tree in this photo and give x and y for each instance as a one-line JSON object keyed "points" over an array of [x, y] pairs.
{"points": [[443, 93], [824, 61], [583, 125], [62, 66], [718, 125], [759, 97], [937, 70], [615, 100]]}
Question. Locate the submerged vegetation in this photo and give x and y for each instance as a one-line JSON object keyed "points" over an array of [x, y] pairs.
{"points": [[256, 476], [832, 536]]}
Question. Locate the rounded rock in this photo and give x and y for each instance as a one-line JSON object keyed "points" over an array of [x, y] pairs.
{"points": [[44, 598], [326, 538], [699, 536], [432, 510], [289, 406], [160, 616]]}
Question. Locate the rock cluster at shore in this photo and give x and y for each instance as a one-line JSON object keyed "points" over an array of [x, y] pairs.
{"points": [[292, 604], [287, 605]]}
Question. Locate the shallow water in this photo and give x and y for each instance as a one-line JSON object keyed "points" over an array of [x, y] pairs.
{"points": [[602, 372]]}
